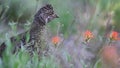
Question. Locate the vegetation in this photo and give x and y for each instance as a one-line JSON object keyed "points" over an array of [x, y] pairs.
{"points": [[75, 39]]}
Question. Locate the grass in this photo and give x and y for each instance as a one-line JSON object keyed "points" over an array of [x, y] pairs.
{"points": [[76, 16]]}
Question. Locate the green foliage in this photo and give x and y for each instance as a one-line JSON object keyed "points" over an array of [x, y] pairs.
{"points": [[22, 59], [98, 64], [24, 8], [66, 17], [22, 11], [116, 17]]}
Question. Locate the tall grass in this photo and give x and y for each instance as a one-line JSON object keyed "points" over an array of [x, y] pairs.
{"points": [[76, 16]]}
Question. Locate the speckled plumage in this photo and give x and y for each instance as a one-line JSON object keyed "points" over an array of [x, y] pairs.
{"points": [[34, 44]]}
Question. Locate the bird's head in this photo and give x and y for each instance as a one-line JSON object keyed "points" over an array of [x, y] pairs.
{"points": [[45, 14]]}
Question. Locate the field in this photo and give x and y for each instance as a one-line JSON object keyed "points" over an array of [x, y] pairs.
{"points": [[86, 34]]}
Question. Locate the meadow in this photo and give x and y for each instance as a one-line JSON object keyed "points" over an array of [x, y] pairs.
{"points": [[75, 39]]}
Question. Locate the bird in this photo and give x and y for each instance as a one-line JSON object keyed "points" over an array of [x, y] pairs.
{"points": [[41, 18]]}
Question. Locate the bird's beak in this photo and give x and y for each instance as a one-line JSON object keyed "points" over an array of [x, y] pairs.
{"points": [[56, 16]]}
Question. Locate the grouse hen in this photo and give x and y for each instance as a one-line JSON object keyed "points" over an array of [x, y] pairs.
{"points": [[41, 18]]}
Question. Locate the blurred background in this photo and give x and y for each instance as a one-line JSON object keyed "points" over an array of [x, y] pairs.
{"points": [[75, 17]]}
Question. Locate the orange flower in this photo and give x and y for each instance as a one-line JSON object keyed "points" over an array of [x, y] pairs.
{"points": [[55, 40], [88, 35], [114, 35]]}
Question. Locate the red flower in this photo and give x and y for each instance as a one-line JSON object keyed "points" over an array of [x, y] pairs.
{"points": [[88, 35], [55, 40], [114, 35]]}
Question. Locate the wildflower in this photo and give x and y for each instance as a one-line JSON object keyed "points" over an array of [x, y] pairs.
{"points": [[113, 36], [55, 40], [88, 35], [110, 56]]}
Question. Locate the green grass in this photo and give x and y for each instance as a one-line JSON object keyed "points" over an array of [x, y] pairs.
{"points": [[69, 26]]}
